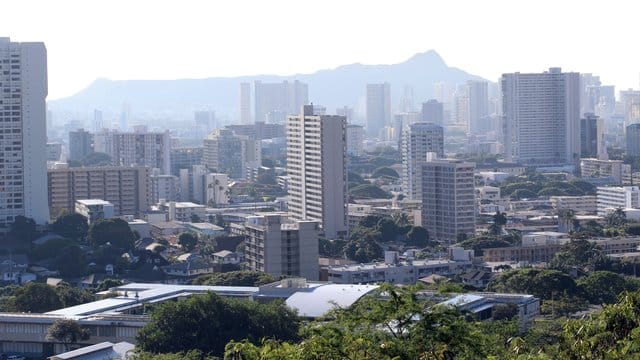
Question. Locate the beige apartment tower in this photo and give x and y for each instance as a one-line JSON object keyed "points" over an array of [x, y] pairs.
{"points": [[316, 166], [127, 188], [448, 201]]}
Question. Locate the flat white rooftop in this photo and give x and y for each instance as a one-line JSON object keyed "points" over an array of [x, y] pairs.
{"points": [[90, 202]]}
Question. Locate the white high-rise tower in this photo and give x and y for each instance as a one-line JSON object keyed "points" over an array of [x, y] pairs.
{"points": [[541, 117], [316, 166], [23, 163]]}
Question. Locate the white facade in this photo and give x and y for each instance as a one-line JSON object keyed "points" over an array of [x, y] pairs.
{"points": [[216, 189], [94, 209], [251, 156], [614, 197], [316, 166], [165, 187], [223, 153], [355, 139], [418, 140], [23, 90], [579, 204], [279, 247], [541, 117], [596, 168], [140, 148], [378, 108], [184, 211], [448, 199]]}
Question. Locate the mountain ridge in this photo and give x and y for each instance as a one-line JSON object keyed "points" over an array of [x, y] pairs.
{"points": [[342, 85]]}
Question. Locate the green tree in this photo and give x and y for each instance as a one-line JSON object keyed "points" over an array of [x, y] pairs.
{"points": [[369, 221], [603, 287], [388, 229], [188, 241], [481, 242], [71, 225], [384, 172], [96, 159], [109, 283], [364, 248], [331, 248], [72, 296], [545, 284], [71, 261], [114, 231], [418, 236], [369, 191], [580, 253], [24, 229], [67, 331], [37, 298], [235, 278], [617, 219], [208, 322]]}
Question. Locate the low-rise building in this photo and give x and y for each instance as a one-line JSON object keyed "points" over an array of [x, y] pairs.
{"points": [[184, 211], [94, 209], [596, 168], [579, 204], [395, 272], [614, 197]]}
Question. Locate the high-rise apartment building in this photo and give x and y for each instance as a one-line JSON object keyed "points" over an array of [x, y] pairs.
{"points": [[285, 98], [185, 158], [127, 188], [448, 200], [98, 121], [591, 136], [80, 144], [541, 117], [633, 139], [205, 122], [139, 148], [418, 140], [378, 108], [23, 138], [203, 187], [316, 166], [630, 100], [245, 103], [433, 112], [223, 153], [355, 139], [280, 247], [165, 187], [478, 98]]}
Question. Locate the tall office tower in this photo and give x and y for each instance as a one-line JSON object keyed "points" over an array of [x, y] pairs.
{"points": [[282, 247], [541, 120], [418, 140], [98, 121], [591, 136], [461, 108], [79, 144], [355, 139], [245, 103], [378, 108], [443, 92], [185, 158], [633, 139], [448, 200], [316, 166], [347, 112], [606, 104], [54, 151], [140, 148], [630, 100], [127, 188], [223, 153], [125, 117], [406, 100], [23, 138], [205, 122], [284, 97], [479, 120], [587, 100], [433, 112]]}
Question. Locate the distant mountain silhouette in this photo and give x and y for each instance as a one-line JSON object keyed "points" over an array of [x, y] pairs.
{"points": [[344, 85]]}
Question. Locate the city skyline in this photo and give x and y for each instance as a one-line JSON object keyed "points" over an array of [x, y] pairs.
{"points": [[134, 41]]}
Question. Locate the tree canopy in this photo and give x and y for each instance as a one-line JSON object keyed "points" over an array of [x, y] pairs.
{"points": [[67, 331], [369, 191], [71, 225], [235, 278], [384, 172], [208, 322], [114, 231], [188, 241]]}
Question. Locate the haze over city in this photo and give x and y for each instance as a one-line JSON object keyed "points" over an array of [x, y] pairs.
{"points": [[123, 40], [319, 180]]}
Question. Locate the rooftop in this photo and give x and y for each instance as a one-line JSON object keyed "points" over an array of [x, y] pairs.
{"points": [[92, 202]]}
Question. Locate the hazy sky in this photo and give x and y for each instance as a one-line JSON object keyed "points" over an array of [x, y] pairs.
{"points": [[137, 39]]}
